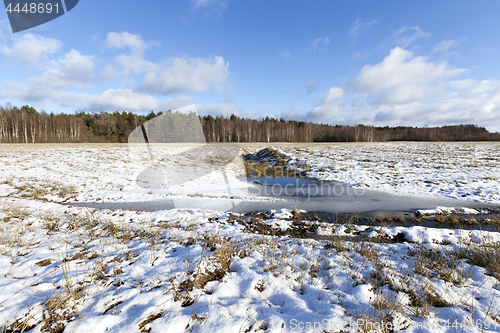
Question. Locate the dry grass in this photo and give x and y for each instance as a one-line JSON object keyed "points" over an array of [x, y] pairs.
{"points": [[486, 256], [57, 313], [311, 268], [443, 263], [32, 189], [270, 163], [144, 326], [216, 266]]}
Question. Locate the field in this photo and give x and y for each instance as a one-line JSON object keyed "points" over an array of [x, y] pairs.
{"points": [[68, 268]]}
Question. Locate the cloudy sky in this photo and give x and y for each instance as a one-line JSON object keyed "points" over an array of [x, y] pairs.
{"points": [[390, 63]]}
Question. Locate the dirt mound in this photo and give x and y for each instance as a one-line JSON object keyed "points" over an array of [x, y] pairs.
{"points": [[268, 155]]}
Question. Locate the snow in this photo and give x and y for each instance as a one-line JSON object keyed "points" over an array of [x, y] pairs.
{"points": [[455, 170], [111, 270], [446, 210]]}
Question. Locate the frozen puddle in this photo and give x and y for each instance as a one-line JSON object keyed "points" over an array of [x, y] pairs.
{"points": [[300, 193]]}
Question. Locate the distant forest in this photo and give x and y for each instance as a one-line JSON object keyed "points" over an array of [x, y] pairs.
{"points": [[27, 125]]}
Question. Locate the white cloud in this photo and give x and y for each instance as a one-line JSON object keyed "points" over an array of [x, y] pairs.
{"points": [[430, 113], [406, 36], [359, 55], [130, 63], [325, 114], [42, 93], [334, 94], [446, 45], [326, 111], [127, 99], [216, 7], [320, 43], [394, 114], [223, 109], [167, 77], [109, 73], [404, 89], [76, 70], [478, 89], [121, 40], [208, 3], [124, 99], [401, 68], [330, 107], [28, 49], [359, 27], [407, 94], [447, 113], [493, 98], [181, 74], [133, 63], [110, 100], [73, 69]]}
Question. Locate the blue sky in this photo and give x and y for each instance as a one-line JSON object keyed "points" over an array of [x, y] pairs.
{"points": [[391, 63]]}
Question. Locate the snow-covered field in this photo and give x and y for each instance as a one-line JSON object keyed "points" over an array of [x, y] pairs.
{"points": [[468, 171], [77, 269]]}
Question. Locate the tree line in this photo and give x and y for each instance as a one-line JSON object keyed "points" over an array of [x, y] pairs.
{"points": [[27, 125]]}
